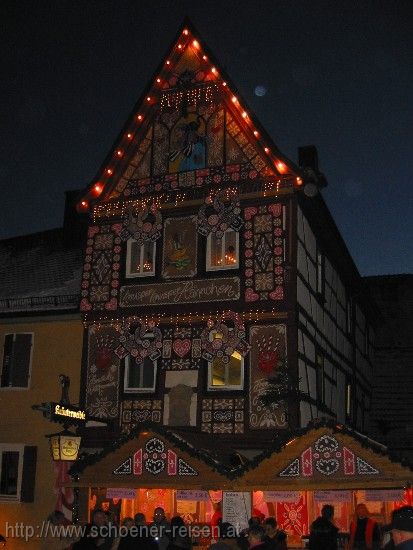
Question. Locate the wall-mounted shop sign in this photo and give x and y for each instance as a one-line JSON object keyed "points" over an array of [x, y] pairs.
{"points": [[67, 413], [181, 292]]}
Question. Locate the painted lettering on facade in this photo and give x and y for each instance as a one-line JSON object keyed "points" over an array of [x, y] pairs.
{"points": [[181, 292]]}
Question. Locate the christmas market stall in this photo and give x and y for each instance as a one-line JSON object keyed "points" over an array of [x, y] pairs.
{"points": [[325, 464], [147, 468]]}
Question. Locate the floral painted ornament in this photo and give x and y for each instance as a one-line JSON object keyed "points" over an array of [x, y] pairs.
{"points": [[139, 340], [218, 215], [219, 341], [143, 225]]}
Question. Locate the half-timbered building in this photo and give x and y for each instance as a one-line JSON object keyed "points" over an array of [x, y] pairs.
{"points": [[212, 262]]}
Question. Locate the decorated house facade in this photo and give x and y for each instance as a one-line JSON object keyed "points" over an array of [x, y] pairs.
{"points": [[207, 268], [212, 263]]}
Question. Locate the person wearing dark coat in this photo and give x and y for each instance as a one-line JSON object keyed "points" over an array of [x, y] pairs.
{"points": [[323, 532], [364, 531], [180, 539], [275, 539], [256, 536], [402, 528]]}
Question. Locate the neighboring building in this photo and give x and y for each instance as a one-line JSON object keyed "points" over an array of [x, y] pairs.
{"points": [[41, 337], [211, 261], [391, 419]]}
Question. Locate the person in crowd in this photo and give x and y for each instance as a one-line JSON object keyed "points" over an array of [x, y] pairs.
{"points": [[96, 534], [323, 532], [126, 539], [57, 539], [227, 538], [179, 538], [364, 531], [242, 541], [161, 528], [402, 528], [256, 538], [275, 539], [86, 542], [101, 522], [142, 536]]}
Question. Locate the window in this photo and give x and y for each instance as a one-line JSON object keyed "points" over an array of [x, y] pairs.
{"points": [[366, 340], [17, 353], [349, 315], [320, 273], [320, 377], [140, 259], [17, 472], [9, 480], [226, 376], [223, 253], [348, 398], [139, 377]]}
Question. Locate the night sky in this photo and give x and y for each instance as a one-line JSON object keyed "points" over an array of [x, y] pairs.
{"points": [[334, 74]]}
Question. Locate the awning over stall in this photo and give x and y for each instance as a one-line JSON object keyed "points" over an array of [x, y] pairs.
{"points": [[327, 457], [150, 457]]}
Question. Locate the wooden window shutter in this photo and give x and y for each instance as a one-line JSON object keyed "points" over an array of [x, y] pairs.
{"points": [[7, 359], [29, 474], [21, 360]]}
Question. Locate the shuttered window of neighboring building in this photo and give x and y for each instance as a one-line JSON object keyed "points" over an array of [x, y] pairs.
{"points": [[17, 352], [17, 472]]}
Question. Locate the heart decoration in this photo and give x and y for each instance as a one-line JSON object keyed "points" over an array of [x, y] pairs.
{"points": [[277, 294], [154, 466], [251, 296], [327, 467], [181, 347]]}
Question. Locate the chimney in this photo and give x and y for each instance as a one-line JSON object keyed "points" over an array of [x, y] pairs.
{"points": [[308, 161], [74, 224]]}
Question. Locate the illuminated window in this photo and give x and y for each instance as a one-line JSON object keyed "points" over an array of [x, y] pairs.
{"points": [[223, 253], [139, 377], [140, 259], [17, 356], [226, 376]]}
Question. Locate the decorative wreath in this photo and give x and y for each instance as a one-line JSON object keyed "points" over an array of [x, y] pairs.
{"points": [[230, 340], [142, 225], [219, 214], [140, 340]]}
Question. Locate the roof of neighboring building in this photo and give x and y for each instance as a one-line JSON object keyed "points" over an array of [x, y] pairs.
{"points": [[391, 419], [40, 271]]}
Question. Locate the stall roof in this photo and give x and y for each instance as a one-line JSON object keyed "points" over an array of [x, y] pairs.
{"points": [[325, 456], [322, 456], [150, 455]]}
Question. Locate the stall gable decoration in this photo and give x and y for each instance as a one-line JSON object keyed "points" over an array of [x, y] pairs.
{"points": [[155, 459], [327, 457]]}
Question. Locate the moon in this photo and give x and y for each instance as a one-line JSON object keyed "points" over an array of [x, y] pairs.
{"points": [[260, 90]]}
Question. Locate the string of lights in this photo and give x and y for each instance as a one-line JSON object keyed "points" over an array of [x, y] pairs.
{"points": [[169, 98]]}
